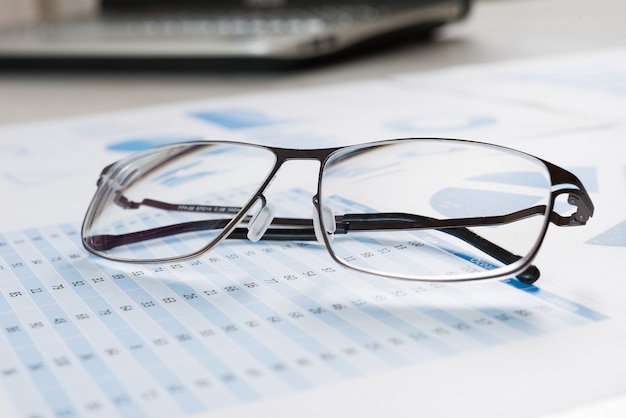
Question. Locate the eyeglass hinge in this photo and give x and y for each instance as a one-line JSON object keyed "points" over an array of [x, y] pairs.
{"points": [[580, 217]]}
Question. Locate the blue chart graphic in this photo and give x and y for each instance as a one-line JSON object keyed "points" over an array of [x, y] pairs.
{"points": [[614, 237], [84, 338], [140, 144], [439, 122], [234, 119]]}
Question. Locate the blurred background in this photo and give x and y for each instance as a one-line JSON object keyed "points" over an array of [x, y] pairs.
{"points": [[35, 84]]}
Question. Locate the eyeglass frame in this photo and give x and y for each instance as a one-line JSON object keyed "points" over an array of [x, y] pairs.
{"points": [[305, 228]]}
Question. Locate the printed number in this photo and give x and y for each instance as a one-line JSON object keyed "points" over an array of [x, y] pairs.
{"points": [[111, 351], [207, 333], [160, 342], [229, 328], [441, 331], [482, 321], [317, 311], [503, 317], [396, 341], [62, 361], [460, 326]]}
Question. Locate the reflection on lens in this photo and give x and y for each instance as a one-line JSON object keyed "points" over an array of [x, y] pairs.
{"points": [[173, 201], [434, 209]]}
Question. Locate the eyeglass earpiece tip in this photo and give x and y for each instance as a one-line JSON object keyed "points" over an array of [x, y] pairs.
{"points": [[529, 276]]}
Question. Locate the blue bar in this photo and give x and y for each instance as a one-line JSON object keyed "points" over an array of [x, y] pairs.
{"points": [[557, 300]]}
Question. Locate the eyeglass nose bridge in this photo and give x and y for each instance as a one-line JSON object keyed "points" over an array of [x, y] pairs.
{"points": [[263, 219]]}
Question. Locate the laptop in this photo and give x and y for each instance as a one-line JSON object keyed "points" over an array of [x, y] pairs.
{"points": [[169, 33]]}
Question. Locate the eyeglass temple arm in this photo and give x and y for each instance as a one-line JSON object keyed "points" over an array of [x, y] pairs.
{"points": [[302, 229], [296, 229]]}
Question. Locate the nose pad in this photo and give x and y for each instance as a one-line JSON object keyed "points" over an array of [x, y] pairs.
{"points": [[328, 219], [260, 222]]}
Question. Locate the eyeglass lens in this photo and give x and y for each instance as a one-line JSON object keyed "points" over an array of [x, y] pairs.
{"points": [[195, 190], [409, 208], [385, 195]]}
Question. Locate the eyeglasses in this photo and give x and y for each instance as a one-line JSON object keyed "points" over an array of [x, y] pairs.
{"points": [[421, 209]]}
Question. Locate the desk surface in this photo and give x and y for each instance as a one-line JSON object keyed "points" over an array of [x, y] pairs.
{"points": [[496, 30]]}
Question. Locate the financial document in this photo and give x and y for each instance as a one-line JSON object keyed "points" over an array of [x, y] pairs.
{"points": [[278, 328]]}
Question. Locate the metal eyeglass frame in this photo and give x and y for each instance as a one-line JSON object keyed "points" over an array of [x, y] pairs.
{"points": [[562, 182]]}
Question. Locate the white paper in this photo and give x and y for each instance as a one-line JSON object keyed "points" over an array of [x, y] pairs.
{"points": [[262, 329]]}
